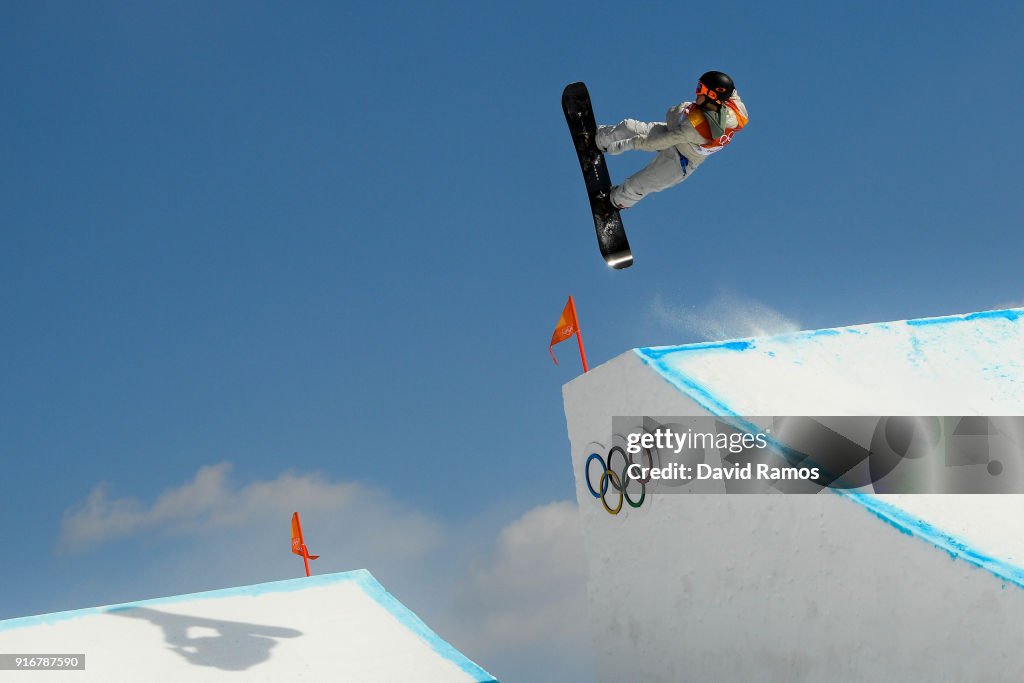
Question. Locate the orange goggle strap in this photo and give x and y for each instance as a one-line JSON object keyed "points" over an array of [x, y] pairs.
{"points": [[705, 90]]}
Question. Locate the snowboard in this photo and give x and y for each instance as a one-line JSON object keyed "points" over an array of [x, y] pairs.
{"points": [[611, 235]]}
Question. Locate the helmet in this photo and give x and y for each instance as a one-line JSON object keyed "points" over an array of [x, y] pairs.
{"points": [[716, 85]]}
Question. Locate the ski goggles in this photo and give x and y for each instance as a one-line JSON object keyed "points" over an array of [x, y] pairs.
{"points": [[705, 90]]}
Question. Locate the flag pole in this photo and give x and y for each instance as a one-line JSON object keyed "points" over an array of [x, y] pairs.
{"points": [[299, 543], [579, 335]]}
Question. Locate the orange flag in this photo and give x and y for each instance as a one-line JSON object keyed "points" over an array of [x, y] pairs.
{"points": [[298, 544], [568, 326]]}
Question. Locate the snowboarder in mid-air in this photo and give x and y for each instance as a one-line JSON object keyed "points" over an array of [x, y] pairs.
{"points": [[691, 133]]}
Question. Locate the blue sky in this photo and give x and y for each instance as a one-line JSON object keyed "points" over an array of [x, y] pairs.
{"points": [[254, 252]]}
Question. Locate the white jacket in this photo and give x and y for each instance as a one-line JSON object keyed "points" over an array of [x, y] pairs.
{"points": [[678, 132]]}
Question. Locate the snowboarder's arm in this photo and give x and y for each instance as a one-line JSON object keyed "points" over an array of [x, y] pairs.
{"points": [[676, 130]]}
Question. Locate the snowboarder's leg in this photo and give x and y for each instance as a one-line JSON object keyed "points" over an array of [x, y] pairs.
{"points": [[619, 138], [668, 168]]}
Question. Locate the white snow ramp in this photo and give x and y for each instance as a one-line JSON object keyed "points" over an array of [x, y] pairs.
{"points": [[335, 627], [827, 587]]}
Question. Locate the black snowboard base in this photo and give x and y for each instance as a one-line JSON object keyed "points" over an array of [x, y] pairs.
{"points": [[611, 235]]}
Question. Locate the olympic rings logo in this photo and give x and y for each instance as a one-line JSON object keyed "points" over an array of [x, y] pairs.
{"points": [[617, 479]]}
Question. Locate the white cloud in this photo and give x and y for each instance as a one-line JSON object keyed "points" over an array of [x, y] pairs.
{"points": [[209, 504], [529, 596], [727, 316]]}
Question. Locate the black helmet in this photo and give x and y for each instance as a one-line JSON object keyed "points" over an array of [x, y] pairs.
{"points": [[716, 85]]}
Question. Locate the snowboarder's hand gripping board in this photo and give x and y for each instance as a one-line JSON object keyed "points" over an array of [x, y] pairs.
{"points": [[611, 236]]}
